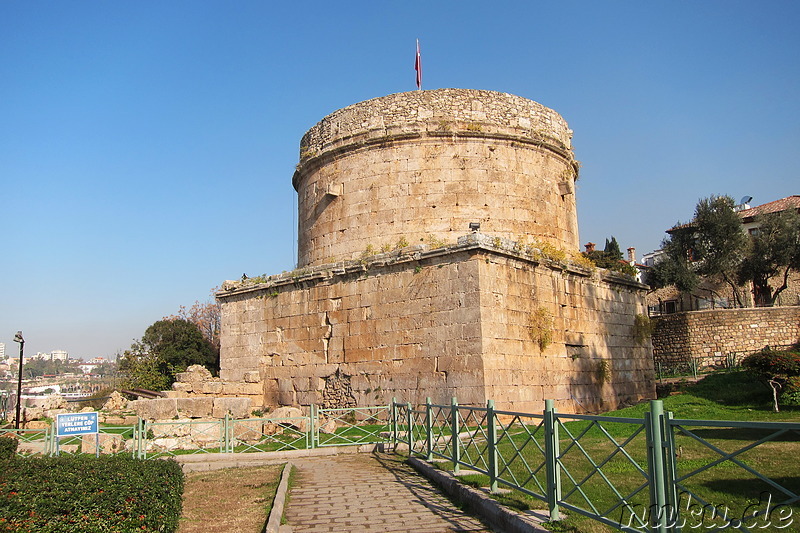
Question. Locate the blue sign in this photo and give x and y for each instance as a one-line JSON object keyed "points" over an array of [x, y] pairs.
{"points": [[76, 424]]}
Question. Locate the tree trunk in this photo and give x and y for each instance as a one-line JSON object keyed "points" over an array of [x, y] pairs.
{"points": [[775, 386]]}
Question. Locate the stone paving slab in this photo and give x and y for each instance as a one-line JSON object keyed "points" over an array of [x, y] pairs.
{"points": [[369, 492]]}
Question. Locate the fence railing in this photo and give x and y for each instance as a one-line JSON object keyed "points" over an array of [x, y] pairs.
{"points": [[165, 438], [655, 473], [696, 365]]}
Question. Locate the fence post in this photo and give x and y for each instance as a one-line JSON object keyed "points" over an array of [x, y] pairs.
{"points": [[551, 452], [428, 429], [143, 439], [671, 471], [48, 439], [137, 435], [454, 440], [225, 438], [655, 466], [393, 414], [410, 429], [311, 440], [492, 435]]}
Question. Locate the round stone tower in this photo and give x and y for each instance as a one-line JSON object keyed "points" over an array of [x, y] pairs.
{"points": [[420, 167]]}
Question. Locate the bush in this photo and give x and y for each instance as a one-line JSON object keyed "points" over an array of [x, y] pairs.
{"points": [[781, 371], [8, 447], [84, 494], [790, 394], [770, 363]]}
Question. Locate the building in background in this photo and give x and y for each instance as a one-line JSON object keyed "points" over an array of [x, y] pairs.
{"points": [[59, 355], [710, 294]]}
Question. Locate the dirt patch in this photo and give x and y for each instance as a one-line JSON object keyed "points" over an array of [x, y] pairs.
{"points": [[232, 499]]}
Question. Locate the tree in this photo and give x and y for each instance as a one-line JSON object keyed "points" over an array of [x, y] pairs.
{"points": [[166, 348], [712, 246], [774, 253], [141, 370], [611, 250], [674, 267], [206, 316]]}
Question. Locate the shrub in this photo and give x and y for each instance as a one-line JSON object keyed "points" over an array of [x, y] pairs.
{"points": [[541, 327], [8, 447], [790, 395], [772, 363], [84, 494], [781, 371]]}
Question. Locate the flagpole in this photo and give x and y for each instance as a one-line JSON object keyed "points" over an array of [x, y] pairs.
{"points": [[418, 68]]}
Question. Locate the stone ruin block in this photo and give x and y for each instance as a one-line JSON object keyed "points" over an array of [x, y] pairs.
{"points": [[205, 433], [195, 407], [283, 417], [182, 387], [209, 387], [156, 409], [236, 407], [115, 402], [249, 431], [194, 374], [174, 428], [109, 443], [252, 377]]}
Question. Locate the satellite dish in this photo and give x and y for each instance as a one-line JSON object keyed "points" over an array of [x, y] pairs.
{"points": [[745, 200]]}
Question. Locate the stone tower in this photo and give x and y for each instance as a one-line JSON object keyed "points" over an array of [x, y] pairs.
{"points": [[423, 165], [399, 294]]}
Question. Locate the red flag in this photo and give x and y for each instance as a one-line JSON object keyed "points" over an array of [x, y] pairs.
{"points": [[418, 68]]}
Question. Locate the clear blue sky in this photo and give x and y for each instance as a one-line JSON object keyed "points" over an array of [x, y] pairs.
{"points": [[147, 148]]}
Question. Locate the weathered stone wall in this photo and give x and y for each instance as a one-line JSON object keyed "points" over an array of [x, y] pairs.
{"points": [[454, 321], [718, 332], [419, 167], [389, 328], [593, 363]]}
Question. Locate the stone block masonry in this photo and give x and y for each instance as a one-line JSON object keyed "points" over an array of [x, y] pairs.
{"points": [[435, 231], [714, 333], [422, 166], [453, 321]]}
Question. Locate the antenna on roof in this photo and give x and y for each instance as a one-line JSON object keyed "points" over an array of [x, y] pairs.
{"points": [[746, 200]]}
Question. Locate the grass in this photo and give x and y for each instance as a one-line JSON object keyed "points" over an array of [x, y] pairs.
{"points": [[242, 499], [731, 396]]}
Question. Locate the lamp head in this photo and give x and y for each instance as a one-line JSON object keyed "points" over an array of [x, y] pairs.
{"points": [[18, 337], [474, 226]]}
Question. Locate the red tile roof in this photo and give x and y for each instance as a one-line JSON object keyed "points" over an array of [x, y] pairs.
{"points": [[772, 207], [790, 202]]}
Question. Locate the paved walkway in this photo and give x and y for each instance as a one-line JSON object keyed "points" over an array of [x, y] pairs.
{"points": [[369, 492]]}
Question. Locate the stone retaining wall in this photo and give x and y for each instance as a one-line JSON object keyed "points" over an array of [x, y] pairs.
{"points": [[718, 332], [457, 321]]}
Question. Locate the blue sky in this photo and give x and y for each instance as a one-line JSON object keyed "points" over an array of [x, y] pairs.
{"points": [[147, 148]]}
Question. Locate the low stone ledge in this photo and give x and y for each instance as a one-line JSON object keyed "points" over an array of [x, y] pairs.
{"points": [[496, 515]]}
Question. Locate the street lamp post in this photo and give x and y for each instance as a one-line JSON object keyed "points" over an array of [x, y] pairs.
{"points": [[18, 338]]}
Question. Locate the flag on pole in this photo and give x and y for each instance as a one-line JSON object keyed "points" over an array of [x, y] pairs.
{"points": [[418, 68]]}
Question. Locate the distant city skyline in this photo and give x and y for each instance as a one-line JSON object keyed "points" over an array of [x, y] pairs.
{"points": [[147, 148]]}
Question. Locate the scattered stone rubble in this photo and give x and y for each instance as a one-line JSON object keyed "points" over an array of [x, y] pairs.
{"points": [[188, 418]]}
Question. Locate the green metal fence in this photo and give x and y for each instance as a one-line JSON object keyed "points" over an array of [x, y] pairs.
{"points": [[655, 473], [152, 439]]}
